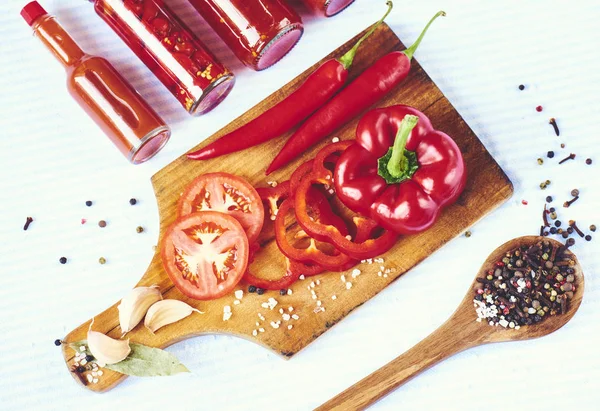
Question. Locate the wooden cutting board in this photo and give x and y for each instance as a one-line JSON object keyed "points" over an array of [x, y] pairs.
{"points": [[487, 187]]}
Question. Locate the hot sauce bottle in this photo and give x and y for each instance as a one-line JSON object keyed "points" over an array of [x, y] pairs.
{"points": [[130, 123], [259, 32], [170, 50], [327, 8]]}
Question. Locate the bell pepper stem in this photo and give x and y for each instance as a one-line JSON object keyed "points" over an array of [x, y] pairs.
{"points": [[398, 164], [411, 50], [348, 58]]}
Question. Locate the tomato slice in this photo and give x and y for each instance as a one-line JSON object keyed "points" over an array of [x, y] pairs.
{"points": [[205, 254], [227, 194]]}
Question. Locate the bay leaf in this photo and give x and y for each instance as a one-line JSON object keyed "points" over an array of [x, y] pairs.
{"points": [[146, 361]]}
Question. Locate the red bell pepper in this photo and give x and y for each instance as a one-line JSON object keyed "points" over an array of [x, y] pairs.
{"points": [[316, 90], [400, 172]]}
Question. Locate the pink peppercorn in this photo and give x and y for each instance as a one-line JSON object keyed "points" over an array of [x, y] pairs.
{"points": [[539, 109]]}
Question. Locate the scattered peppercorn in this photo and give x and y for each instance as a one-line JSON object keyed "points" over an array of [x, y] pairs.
{"points": [[549, 199], [252, 289], [588, 238], [539, 109], [524, 202], [557, 223], [88, 203], [552, 209], [592, 228], [467, 234], [550, 154], [102, 260], [89, 358], [282, 292], [554, 126], [540, 161], [28, 221], [575, 192], [553, 215], [562, 145], [102, 223], [570, 242], [260, 291], [132, 201], [139, 229], [80, 369], [588, 161], [63, 260], [565, 234], [553, 230], [521, 87], [570, 230], [57, 342]]}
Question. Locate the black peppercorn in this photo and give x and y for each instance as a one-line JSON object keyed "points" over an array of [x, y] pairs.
{"points": [[89, 358], [557, 223], [80, 369], [282, 292], [588, 238], [550, 154], [88, 203], [588, 161], [521, 87], [549, 199], [565, 235], [63, 260], [571, 242], [260, 291], [251, 289], [575, 192], [58, 343], [553, 230], [132, 201], [552, 209], [570, 230]]}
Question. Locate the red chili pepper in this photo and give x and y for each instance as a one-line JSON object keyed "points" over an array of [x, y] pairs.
{"points": [[316, 90], [401, 171], [368, 88], [369, 239]]}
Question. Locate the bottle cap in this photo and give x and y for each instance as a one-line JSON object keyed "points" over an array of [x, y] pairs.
{"points": [[32, 11]]}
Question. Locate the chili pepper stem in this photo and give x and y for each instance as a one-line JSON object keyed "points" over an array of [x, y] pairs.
{"points": [[348, 58], [398, 164], [411, 50]]}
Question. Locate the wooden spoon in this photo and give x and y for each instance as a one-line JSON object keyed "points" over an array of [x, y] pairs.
{"points": [[458, 333]]}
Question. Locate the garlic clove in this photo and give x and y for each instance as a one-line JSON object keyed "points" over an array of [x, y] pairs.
{"points": [[107, 350], [133, 307], [167, 312]]}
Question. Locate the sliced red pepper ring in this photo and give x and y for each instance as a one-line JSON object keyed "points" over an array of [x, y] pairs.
{"points": [[323, 254], [299, 174], [375, 240], [272, 197], [289, 278]]}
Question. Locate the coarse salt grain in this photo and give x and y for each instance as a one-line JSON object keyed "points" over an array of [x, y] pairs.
{"points": [[82, 348], [261, 330], [290, 308], [355, 273], [286, 317], [295, 317], [254, 333], [272, 303], [312, 284], [334, 297], [385, 276], [343, 278], [236, 302], [318, 282], [274, 324], [349, 237], [348, 285], [314, 297], [226, 316], [262, 317], [83, 362], [302, 277], [289, 291], [239, 294], [100, 372], [379, 260], [319, 303], [89, 377], [335, 140], [290, 327], [281, 311], [257, 324], [95, 380]]}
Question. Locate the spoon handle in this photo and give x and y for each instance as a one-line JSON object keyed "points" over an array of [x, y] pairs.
{"points": [[458, 333]]}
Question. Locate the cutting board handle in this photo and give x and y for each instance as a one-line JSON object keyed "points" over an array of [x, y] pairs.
{"points": [[458, 333]]}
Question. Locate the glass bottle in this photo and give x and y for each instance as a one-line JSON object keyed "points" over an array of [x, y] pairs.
{"points": [[170, 50], [259, 32], [115, 106], [327, 8]]}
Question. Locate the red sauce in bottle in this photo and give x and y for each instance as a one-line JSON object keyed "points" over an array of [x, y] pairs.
{"points": [[327, 8], [170, 50], [259, 32], [115, 106]]}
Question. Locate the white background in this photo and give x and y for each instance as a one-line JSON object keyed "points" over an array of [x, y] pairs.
{"points": [[53, 159]]}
